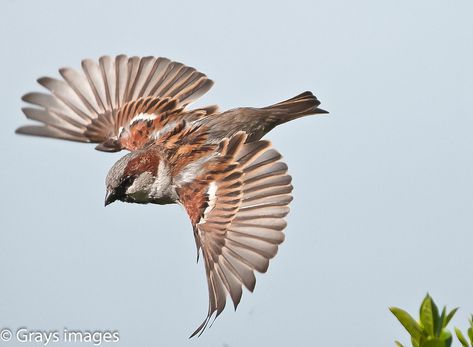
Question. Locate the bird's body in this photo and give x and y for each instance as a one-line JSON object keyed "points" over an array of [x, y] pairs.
{"points": [[232, 184]]}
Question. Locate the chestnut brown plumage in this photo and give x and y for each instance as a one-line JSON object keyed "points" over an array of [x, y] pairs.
{"points": [[233, 185]]}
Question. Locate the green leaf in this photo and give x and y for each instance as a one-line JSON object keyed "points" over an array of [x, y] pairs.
{"points": [[446, 336], [450, 316], [435, 342], [412, 327], [398, 344], [429, 316], [415, 343], [470, 330], [441, 321], [461, 338]]}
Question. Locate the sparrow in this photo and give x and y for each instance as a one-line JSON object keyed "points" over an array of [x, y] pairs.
{"points": [[234, 186]]}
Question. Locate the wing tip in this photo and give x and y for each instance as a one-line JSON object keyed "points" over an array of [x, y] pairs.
{"points": [[33, 130], [21, 130], [201, 328]]}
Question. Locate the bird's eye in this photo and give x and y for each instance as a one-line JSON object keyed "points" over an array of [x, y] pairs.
{"points": [[127, 182], [120, 191]]}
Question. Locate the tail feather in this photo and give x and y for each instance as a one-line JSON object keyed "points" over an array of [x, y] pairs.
{"points": [[299, 106]]}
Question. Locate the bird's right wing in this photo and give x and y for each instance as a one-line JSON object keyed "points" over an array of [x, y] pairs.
{"points": [[96, 103], [237, 209]]}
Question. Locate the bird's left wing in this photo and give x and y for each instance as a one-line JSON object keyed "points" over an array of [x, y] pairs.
{"points": [[237, 209], [116, 101]]}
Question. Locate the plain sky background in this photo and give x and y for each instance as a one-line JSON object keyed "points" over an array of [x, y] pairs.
{"points": [[383, 198]]}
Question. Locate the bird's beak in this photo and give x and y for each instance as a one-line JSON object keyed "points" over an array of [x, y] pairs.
{"points": [[110, 197]]}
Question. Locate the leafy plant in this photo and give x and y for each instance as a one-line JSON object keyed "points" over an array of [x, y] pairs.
{"points": [[431, 328], [462, 338]]}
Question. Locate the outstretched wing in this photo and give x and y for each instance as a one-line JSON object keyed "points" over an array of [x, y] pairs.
{"points": [[237, 209], [96, 103]]}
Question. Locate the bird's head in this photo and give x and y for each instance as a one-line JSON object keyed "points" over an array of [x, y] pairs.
{"points": [[136, 178]]}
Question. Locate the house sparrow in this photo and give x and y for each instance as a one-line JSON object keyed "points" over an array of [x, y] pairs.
{"points": [[233, 185]]}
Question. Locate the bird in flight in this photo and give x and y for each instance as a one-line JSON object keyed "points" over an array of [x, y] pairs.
{"points": [[232, 184]]}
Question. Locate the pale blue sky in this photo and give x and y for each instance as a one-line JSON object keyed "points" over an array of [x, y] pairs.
{"points": [[383, 197]]}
